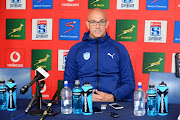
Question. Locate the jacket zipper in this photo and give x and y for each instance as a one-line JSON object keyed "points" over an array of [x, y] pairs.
{"points": [[97, 66]]}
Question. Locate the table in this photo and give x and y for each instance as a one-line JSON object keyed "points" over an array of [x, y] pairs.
{"points": [[124, 114]]}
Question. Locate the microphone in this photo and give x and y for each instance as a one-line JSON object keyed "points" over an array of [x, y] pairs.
{"points": [[30, 104], [40, 74], [49, 104]]}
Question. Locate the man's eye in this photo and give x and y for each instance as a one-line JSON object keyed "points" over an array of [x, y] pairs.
{"points": [[101, 21]]}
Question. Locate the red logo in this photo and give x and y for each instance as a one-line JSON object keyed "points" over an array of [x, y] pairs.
{"points": [[69, 24], [154, 1], [70, 4], [14, 58]]}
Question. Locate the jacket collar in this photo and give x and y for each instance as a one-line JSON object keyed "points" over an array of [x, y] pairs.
{"points": [[87, 37]]}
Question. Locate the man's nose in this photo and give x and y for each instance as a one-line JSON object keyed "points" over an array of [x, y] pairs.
{"points": [[97, 25]]}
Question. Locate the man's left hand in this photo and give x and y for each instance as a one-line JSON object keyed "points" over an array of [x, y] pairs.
{"points": [[102, 96]]}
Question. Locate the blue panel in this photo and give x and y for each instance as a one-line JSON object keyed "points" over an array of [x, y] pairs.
{"points": [[22, 76], [172, 82]]}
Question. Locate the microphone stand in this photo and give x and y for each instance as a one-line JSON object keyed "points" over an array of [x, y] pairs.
{"points": [[38, 95]]}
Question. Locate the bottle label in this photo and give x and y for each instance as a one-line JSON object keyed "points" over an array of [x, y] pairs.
{"points": [[2, 91], [66, 102], [162, 101], [136, 105], [152, 96]]}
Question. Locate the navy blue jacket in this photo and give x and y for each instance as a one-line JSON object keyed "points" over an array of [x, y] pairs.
{"points": [[104, 63]]}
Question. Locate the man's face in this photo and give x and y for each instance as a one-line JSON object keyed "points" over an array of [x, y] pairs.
{"points": [[97, 24]]}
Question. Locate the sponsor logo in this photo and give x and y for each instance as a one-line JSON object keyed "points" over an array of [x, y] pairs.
{"points": [[112, 56], [42, 26], [155, 31], [39, 1], [127, 1], [177, 32], [153, 62], [15, 58], [69, 29], [15, 29], [69, 24], [86, 55], [41, 58], [156, 4], [15, 4], [42, 29], [155, 28], [104, 4], [154, 1], [65, 53], [42, 4], [127, 4], [15, 1], [126, 30], [70, 3], [62, 57]]}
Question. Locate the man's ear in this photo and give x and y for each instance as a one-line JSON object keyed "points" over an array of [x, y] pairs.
{"points": [[107, 23], [87, 24]]}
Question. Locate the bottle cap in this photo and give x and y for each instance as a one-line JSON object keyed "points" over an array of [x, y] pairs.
{"points": [[87, 84], [65, 83], [139, 85], [2, 80], [151, 85], [77, 82], [11, 80], [163, 84]]}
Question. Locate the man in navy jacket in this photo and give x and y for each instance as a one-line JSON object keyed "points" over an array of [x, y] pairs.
{"points": [[101, 61]]}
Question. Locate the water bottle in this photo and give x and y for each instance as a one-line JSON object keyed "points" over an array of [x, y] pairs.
{"points": [[11, 95], [77, 98], [139, 101], [3, 103], [66, 99], [162, 92], [87, 99], [151, 100]]}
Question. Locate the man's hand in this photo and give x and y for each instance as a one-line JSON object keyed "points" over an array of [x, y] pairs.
{"points": [[102, 96]]}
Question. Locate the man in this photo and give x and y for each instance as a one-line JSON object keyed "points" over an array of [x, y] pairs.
{"points": [[101, 61]]}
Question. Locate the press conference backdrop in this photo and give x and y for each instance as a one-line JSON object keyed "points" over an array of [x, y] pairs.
{"points": [[39, 33]]}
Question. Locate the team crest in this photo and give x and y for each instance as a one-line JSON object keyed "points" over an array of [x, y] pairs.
{"points": [[86, 55]]}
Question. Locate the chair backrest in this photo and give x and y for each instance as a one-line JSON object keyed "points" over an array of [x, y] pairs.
{"points": [[172, 82]]}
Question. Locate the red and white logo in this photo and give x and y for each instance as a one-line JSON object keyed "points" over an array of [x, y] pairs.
{"points": [[178, 5], [14, 58], [70, 4]]}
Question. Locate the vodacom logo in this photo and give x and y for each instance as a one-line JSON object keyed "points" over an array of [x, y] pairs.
{"points": [[44, 88], [16, 59]]}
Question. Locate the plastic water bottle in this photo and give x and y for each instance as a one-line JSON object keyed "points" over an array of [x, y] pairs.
{"points": [[87, 90], [11, 95], [77, 98], [139, 101], [151, 100], [66, 99], [3, 103], [162, 92]]}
